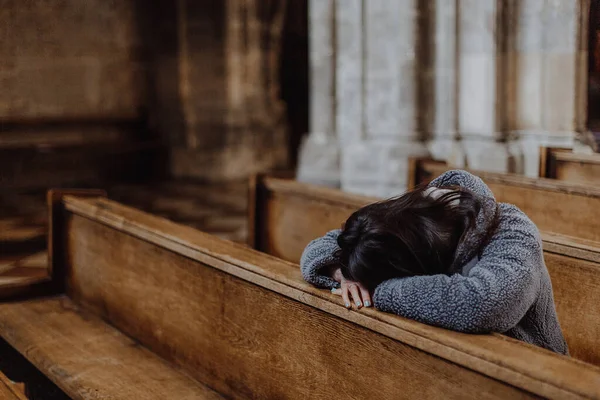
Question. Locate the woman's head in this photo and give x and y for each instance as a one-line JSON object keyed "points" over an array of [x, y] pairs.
{"points": [[414, 234]]}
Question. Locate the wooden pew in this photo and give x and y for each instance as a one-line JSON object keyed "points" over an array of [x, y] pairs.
{"points": [[81, 354], [564, 165], [74, 154], [15, 238], [146, 299], [286, 215], [566, 208], [23, 275]]}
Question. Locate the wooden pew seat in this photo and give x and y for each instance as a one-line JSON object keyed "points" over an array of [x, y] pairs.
{"points": [[85, 356]]}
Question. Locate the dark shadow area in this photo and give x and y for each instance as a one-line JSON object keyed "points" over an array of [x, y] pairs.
{"points": [[18, 369]]}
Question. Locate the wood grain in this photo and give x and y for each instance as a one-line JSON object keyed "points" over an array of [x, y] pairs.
{"points": [[293, 214], [145, 283], [576, 285], [566, 208], [87, 358], [244, 340], [9, 390], [16, 237], [56, 229], [571, 246], [26, 275]]}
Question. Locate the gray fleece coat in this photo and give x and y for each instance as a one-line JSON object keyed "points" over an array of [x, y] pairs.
{"points": [[502, 284]]}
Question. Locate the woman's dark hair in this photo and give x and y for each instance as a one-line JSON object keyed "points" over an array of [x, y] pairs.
{"points": [[416, 233]]}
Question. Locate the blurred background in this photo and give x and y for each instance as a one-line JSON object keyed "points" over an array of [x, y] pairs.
{"points": [[172, 105]]}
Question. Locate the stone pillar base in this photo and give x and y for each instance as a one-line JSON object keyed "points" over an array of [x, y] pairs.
{"points": [[447, 149], [526, 148], [378, 168], [487, 154], [319, 160]]}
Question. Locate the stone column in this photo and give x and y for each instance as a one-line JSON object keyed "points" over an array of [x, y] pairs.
{"points": [[565, 65], [229, 87], [443, 145], [548, 77], [377, 163], [480, 97], [349, 70], [319, 159]]}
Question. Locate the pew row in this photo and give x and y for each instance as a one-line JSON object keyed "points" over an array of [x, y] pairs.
{"points": [[286, 215], [29, 273], [244, 324], [23, 275], [569, 209], [564, 165]]}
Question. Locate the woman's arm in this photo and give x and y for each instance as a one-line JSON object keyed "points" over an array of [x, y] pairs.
{"points": [[496, 294], [318, 260], [320, 267]]}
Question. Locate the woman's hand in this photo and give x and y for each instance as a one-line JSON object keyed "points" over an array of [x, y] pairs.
{"points": [[356, 290]]}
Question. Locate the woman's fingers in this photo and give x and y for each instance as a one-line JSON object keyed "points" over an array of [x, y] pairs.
{"points": [[337, 275], [345, 296], [355, 295], [353, 291], [366, 297]]}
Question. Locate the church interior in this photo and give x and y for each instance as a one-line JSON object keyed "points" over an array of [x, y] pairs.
{"points": [[164, 164]]}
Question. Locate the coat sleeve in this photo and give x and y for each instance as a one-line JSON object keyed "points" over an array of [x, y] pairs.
{"points": [[496, 294], [317, 259]]}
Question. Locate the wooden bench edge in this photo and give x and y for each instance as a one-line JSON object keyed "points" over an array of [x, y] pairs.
{"points": [[546, 184], [556, 243], [56, 228]]}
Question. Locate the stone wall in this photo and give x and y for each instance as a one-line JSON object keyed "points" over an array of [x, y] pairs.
{"points": [[228, 66], [68, 59], [204, 75], [477, 83]]}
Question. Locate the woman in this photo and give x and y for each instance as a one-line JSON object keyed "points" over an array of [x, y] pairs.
{"points": [[446, 255]]}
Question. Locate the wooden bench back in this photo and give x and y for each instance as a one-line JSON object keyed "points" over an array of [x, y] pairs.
{"points": [[287, 215], [565, 208], [564, 165], [245, 323]]}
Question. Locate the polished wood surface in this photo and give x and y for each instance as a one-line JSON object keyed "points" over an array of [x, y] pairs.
{"points": [[147, 299], [171, 287], [10, 390], [291, 214], [23, 275], [87, 358]]}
